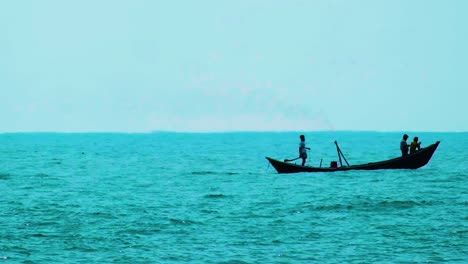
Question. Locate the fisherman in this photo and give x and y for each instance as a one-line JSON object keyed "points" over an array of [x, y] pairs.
{"points": [[415, 145], [303, 149], [404, 146]]}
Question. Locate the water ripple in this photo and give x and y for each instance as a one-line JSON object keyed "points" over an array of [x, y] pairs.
{"points": [[183, 222], [4, 176], [215, 196]]}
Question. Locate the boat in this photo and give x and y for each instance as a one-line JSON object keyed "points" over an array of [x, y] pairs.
{"points": [[411, 161]]}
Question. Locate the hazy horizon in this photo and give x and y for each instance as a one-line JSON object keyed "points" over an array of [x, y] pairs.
{"points": [[224, 132]]}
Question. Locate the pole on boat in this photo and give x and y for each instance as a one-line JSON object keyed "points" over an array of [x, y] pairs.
{"points": [[344, 158], [340, 154]]}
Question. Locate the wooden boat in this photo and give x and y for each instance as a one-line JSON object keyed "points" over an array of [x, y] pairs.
{"points": [[412, 161]]}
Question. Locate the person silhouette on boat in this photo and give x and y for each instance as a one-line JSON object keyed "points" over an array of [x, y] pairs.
{"points": [[303, 149], [415, 145], [404, 146]]}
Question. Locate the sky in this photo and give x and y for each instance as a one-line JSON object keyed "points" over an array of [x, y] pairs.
{"points": [[243, 65]]}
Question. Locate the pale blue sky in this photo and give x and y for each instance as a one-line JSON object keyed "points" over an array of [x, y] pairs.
{"points": [[138, 66]]}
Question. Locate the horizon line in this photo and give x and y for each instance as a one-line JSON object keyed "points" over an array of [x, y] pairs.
{"points": [[226, 131]]}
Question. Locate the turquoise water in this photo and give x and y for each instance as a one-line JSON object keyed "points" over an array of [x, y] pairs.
{"points": [[213, 198]]}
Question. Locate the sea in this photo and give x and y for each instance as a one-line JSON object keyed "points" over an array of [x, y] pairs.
{"points": [[169, 197]]}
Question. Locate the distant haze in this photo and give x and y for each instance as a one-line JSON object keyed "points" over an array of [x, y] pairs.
{"points": [[257, 65]]}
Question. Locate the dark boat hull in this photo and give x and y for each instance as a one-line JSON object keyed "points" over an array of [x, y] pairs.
{"points": [[412, 161]]}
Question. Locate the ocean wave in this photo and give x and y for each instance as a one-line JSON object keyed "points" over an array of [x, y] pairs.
{"points": [[203, 172], [213, 173], [373, 206], [461, 232], [4, 176], [184, 222], [333, 207], [215, 196], [208, 211], [234, 262], [398, 204], [104, 215], [140, 231]]}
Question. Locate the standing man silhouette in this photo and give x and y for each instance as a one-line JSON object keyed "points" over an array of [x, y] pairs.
{"points": [[303, 150], [404, 146]]}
